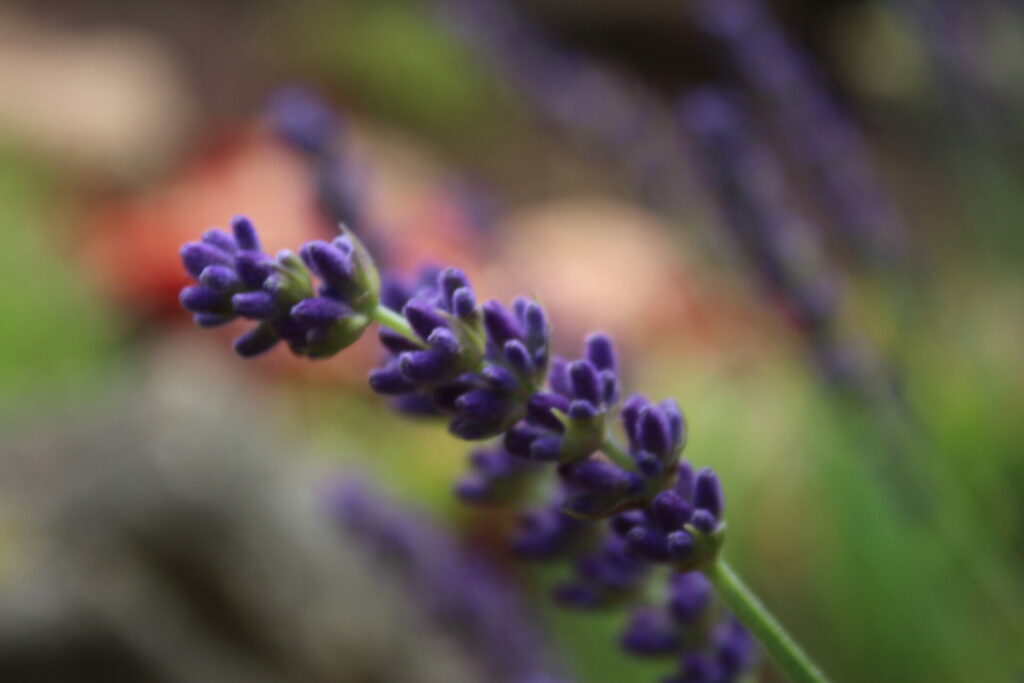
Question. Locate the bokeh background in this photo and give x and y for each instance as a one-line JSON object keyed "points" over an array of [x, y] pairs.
{"points": [[873, 462]]}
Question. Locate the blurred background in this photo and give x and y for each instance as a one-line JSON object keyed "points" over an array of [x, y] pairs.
{"points": [[801, 218]]}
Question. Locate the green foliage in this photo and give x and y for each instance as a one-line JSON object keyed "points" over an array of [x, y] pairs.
{"points": [[54, 331]]}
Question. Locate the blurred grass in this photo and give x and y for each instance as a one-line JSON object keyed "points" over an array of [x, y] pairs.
{"points": [[54, 331]]}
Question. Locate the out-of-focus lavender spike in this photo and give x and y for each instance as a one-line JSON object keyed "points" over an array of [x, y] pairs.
{"points": [[747, 183], [577, 93], [466, 596], [827, 145], [304, 120]]}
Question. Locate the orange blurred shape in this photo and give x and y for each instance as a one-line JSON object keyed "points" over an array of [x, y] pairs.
{"points": [[130, 244], [602, 264]]}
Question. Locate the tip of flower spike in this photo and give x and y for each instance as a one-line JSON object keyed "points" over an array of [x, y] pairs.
{"points": [[600, 350], [256, 341], [197, 256], [245, 233], [708, 493]]}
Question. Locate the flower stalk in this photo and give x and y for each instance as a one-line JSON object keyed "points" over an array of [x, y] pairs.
{"points": [[769, 632]]}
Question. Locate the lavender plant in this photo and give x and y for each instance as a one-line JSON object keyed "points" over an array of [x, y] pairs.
{"points": [[828, 147], [457, 589], [746, 182], [621, 514]]}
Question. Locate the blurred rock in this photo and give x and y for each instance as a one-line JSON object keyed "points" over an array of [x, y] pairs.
{"points": [[109, 104], [167, 539]]}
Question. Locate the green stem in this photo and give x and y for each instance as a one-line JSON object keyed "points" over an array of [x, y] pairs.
{"points": [[617, 454], [756, 617], [396, 323]]}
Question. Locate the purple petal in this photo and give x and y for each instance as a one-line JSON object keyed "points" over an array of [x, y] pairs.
{"points": [[245, 234], [257, 305], [319, 311], [601, 352], [197, 256]]}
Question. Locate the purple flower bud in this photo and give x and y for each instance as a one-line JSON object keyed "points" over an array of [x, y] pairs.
{"points": [[208, 320], [689, 594], [444, 341], [582, 410], [481, 404], [609, 387], [425, 367], [319, 311], [473, 429], [518, 357], [708, 493], [500, 324], [499, 378], [631, 414], [197, 256], [647, 544], [245, 234], [650, 632], [220, 239], [601, 352], [343, 243], [558, 377], [680, 545], [333, 265], [585, 382], [546, 449], [463, 302], [670, 510], [254, 268], [676, 422], [396, 343], [519, 439], [623, 522], [258, 305], [199, 299], [703, 521], [220, 279], [390, 382], [653, 431], [597, 476], [422, 317], [736, 647], [259, 339], [450, 281], [685, 480], [539, 410], [536, 324], [648, 463]]}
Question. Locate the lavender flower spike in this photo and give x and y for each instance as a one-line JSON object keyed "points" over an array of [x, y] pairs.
{"points": [[614, 511], [237, 279]]}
